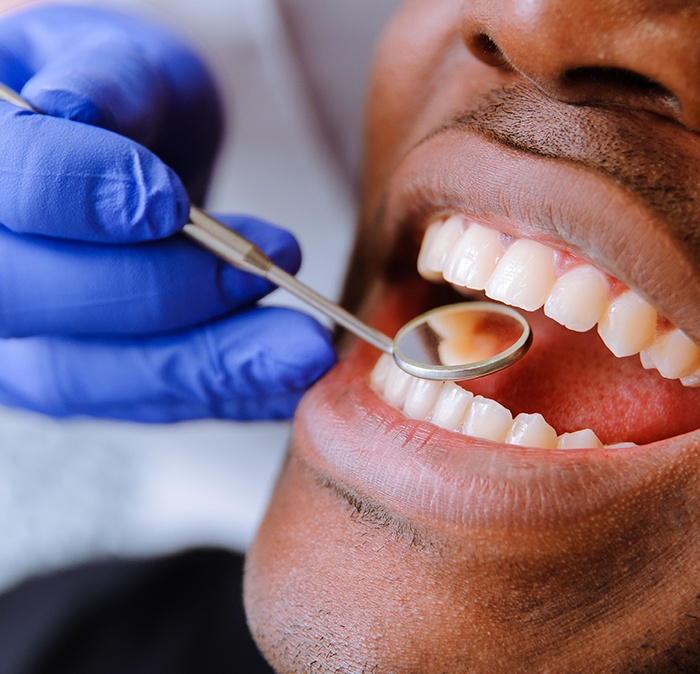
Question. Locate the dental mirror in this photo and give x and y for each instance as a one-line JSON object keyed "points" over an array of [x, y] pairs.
{"points": [[462, 341], [452, 343]]}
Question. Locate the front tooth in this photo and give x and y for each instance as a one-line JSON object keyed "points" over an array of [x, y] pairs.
{"points": [[396, 386], [451, 407], [420, 398], [474, 258], [488, 420], [578, 298], [380, 372], [438, 243], [628, 326], [531, 430], [525, 275], [585, 439], [673, 355]]}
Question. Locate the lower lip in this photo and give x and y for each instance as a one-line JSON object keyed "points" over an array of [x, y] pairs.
{"points": [[432, 477]]}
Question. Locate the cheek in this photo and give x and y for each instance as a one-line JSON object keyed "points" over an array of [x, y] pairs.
{"points": [[423, 77], [403, 81]]}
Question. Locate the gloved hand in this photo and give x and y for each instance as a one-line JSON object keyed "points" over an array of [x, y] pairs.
{"points": [[102, 311]]}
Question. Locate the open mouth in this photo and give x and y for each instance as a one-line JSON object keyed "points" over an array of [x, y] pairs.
{"points": [[583, 259], [574, 423], [574, 294]]}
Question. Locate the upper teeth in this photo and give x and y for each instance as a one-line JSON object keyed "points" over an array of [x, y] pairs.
{"points": [[529, 275]]}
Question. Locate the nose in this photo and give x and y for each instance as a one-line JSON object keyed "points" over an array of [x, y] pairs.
{"points": [[640, 54]]}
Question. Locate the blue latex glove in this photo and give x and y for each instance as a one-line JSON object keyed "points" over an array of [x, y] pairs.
{"points": [[100, 313]]}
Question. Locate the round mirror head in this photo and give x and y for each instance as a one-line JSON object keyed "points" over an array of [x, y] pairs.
{"points": [[462, 341]]}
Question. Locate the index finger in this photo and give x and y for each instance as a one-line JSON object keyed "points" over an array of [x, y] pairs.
{"points": [[74, 181], [119, 72]]}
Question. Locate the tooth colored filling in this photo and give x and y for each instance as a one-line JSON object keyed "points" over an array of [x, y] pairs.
{"points": [[529, 275]]}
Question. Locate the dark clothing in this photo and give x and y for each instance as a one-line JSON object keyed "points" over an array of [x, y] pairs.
{"points": [[178, 615]]}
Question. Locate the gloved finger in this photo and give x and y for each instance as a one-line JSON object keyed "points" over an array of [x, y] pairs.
{"points": [[73, 181], [110, 83], [121, 73], [14, 71], [48, 286], [255, 365]]}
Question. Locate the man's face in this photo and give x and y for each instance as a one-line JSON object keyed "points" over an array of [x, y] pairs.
{"points": [[551, 150]]}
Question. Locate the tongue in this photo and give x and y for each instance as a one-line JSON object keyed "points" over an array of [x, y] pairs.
{"points": [[573, 381]]}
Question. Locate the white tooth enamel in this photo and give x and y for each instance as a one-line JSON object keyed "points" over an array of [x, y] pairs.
{"points": [[673, 355], [621, 445], [467, 293], [488, 420], [692, 380], [531, 430], [451, 407], [380, 372], [585, 439], [525, 275], [628, 325], [427, 255], [421, 397], [396, 386], [474, 258], [645, 359], [578, 298], [438, 243]]}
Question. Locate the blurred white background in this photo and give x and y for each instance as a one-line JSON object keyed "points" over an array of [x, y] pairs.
{"points": [[80, 489]]}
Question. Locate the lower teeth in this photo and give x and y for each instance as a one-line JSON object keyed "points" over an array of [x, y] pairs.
{"points": [[451, 407]]}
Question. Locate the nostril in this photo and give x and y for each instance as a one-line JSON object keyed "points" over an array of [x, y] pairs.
{"points": [[619, 85], [486, 50], [617, 78]]}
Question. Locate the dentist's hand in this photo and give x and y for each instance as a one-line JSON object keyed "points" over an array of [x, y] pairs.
{"points": [[102, 311]]}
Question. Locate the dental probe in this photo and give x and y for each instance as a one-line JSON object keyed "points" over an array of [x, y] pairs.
{"points": [[453, 343]]}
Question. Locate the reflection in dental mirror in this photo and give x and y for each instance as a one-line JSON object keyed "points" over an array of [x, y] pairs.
{"points": [[462, 341]]}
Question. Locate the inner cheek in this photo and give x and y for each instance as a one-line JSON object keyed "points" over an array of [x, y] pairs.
{"points": [[575, 382]]}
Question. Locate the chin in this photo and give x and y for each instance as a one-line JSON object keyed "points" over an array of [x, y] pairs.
{"points": [[392, 544], [543, 518]]}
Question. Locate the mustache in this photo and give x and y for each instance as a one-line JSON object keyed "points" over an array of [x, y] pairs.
{"points": [[627, 146]]}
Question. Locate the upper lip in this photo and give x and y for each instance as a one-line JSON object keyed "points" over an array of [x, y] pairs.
{"points": [[567, 205]]}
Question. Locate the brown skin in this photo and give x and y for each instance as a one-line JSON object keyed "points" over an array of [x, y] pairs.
{"points": [[350, 591], [354, 573]]}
